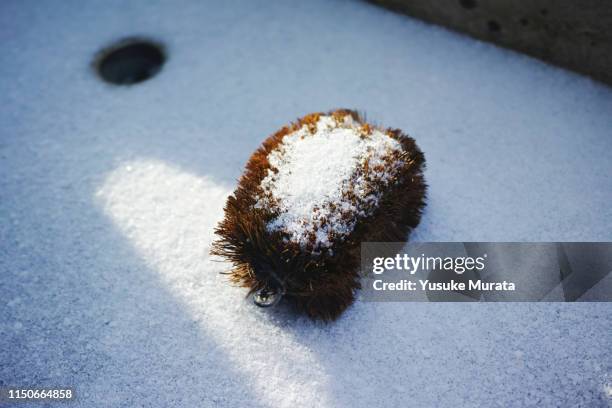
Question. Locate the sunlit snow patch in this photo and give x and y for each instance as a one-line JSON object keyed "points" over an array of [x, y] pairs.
{"points": [[169, 216]]}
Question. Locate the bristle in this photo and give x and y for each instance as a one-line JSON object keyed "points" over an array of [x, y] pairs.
{"points": [[322, 285]]}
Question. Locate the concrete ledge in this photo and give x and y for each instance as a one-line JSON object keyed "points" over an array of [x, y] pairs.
{"points": [[573, 34]]}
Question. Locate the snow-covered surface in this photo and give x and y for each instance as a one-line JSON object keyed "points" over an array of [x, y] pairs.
{"points": [[108, 198], [313, 171]]}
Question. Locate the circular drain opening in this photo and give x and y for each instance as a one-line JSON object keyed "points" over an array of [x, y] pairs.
{"points": [[130, 61]]}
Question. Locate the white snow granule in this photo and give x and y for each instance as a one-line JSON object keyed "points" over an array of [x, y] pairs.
{"points": [[321, 181]]}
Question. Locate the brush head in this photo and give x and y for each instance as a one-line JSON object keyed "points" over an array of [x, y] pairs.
{"points": [[308, 197]]}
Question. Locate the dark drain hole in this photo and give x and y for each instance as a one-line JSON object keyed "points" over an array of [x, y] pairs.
{"points": [[130, 62]]}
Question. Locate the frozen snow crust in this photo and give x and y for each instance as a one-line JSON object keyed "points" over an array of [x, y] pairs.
{"points": [[325, 177], [109, 198]]}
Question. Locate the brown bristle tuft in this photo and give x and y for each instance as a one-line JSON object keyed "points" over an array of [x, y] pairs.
{"points": [[322, 285]]}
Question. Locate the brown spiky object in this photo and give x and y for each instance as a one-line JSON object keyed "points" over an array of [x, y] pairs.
{"points": [[313, 261]]}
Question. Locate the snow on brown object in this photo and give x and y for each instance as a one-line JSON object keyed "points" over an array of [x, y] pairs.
{"points": [[308, 197]]}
